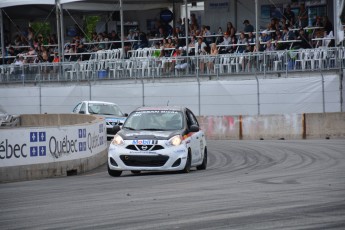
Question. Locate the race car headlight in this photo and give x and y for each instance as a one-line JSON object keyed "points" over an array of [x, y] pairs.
{"points": [[118, 140], [175, 140]]}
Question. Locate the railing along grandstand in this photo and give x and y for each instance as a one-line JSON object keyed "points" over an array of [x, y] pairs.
{"points": [[111, 64]]}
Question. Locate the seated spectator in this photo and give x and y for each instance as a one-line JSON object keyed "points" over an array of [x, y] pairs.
{"points": [[142, 41], [157, 51], [115, 37], [265, 37], [242, 41], [180, 63], [213, 54], [305, 43], [225, 44]]}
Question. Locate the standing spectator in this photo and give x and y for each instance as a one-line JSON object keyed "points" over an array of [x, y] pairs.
{"points": [[289, 16], [302, 16], [194, 22], [247, 26], [200, 49], [207, 35], [230, 29], [327, 25]]}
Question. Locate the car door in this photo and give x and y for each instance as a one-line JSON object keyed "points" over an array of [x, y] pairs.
{"points": [[196, 138]]}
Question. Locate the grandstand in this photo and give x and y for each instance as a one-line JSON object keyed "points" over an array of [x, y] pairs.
{"points": [[113, 61]]}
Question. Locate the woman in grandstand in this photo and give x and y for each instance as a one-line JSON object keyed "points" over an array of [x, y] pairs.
{"points": [[213, 54]]}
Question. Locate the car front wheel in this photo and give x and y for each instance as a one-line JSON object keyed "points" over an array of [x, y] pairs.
{"points": [[188, 164], [204, 162], [114, 173]]}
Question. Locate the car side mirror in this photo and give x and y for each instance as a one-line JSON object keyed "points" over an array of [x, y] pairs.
{"points": [[116, 128], [194, 128], [126, 114]]}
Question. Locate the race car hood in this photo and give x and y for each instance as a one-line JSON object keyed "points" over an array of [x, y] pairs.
{"points": [[147, 134]]}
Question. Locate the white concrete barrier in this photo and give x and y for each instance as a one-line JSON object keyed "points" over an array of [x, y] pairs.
{"points": [[52, 145]]}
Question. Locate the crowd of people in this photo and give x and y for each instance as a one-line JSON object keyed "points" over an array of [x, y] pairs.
{"points": [[30, 47]]}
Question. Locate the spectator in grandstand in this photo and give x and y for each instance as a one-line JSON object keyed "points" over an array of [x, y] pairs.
{"points": [[247, 26], [279, 45], [114, 37], [201, 50], [206, 33], [178, 32], [212, 58], [56, 58], [288, 34], [225, 44], [169, 43], [250, 37], [265, 37], [269, 46], [181, 63], [142, 41], [193, 22], [179, 23], [289, 16], [230, 29], [327, 24], [302, 16], [31, 36], [178, 42], [191, 46], [305, 42], [241, 43], [10, 55], [157, 50], [233, 44]]}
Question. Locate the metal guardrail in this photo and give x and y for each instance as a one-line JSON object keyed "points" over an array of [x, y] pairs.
{"points": [[142, 64]]}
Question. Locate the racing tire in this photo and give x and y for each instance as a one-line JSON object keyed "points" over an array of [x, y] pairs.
{"points": [[135, 171], [204, 162], [188, 164], [114, 173]]}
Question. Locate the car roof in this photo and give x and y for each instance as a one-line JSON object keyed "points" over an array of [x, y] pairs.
{"points": [[100, 102], [174, 108]]}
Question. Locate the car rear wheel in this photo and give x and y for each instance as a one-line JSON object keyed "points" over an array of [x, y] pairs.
{"points": [[204, 162], [114, 173], [136, 171], [188, 164]]}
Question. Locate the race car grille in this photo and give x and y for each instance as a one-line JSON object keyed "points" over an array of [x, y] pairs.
{"points": [[145, 147], [144, 161], [115, 123], [110, 131]]}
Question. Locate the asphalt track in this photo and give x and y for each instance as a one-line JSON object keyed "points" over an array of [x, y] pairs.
{"points": [[278, 184]]}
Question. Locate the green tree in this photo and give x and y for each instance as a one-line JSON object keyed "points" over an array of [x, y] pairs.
{"points": [[91, 22]]}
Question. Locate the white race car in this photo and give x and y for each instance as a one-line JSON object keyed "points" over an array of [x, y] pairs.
{"points": [[110, 111], [158, 139]]}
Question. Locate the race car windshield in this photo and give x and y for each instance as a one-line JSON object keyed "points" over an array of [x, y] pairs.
{"points": [[104, 109], [155, 120]]}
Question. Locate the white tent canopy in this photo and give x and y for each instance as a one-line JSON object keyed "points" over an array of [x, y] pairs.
{"points": [[101, 5]]}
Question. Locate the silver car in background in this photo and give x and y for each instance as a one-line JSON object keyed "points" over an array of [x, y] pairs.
{"points": [[110, 111]]}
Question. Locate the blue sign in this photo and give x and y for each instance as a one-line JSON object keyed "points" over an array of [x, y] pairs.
{"points": [[42, 151], [33, 152], [166, 16]]}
